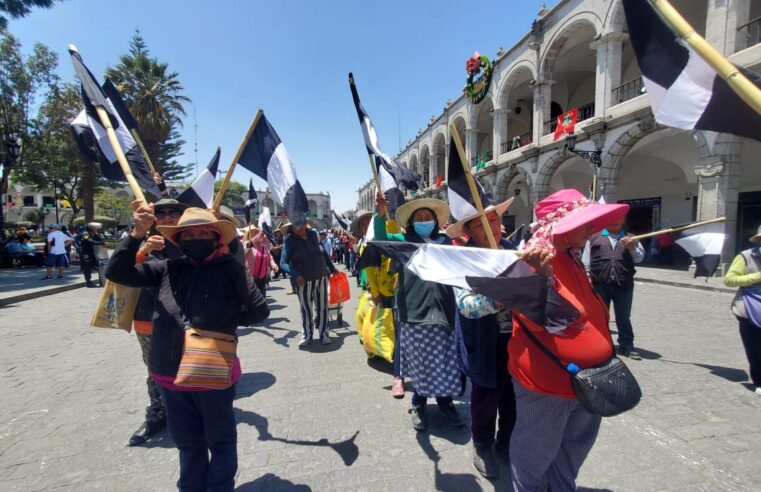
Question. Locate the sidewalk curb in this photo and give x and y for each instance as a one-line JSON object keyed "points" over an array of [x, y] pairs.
{"points": [[685, 285], [40, 293]]}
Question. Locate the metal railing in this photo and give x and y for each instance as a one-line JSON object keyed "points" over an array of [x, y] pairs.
{"points": [[627, 91], [516, 142], [489, 157], [584, 113], [752, 32]]}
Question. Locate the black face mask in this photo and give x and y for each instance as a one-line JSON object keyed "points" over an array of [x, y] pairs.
{"points": [[198, 249]]}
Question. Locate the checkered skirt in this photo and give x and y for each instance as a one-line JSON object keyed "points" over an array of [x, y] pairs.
{"points": [[428, 356]]}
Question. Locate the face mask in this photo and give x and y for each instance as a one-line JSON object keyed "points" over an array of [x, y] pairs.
{"points": [[424, 229], [198, 249]]}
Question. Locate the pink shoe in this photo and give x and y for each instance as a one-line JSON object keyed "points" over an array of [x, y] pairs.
{"points": [[397, 389]]}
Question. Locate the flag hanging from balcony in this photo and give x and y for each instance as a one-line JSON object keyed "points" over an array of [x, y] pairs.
{"points": [[566, 123], [704, 244], [394, 178], [684, 91], [266, 156], [201, 192]]}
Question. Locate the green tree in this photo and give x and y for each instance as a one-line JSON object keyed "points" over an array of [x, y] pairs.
{"points": [[20, 8], [52, 157], [235, 195], [154, 96], [111, 205]]}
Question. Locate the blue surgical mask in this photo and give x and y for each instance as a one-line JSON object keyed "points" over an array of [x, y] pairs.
{"points": [[424, 229]]}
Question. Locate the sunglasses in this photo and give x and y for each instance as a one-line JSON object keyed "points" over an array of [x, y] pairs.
{"points": [[160, 214]]}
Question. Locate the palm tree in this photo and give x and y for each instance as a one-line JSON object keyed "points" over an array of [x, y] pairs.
{"points": [[154, 96]]}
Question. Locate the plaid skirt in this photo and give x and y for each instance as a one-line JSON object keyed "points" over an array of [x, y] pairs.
{"points": [[428, 357]]}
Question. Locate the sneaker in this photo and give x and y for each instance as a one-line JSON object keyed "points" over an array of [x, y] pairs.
{"points": [[485, 460], [419, 417], [630, 353], [325, 338], [304, 342], [290, 292], [451, 415], [397, 388], [758, 390]]}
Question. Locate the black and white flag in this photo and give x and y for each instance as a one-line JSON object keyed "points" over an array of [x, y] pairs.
{"points": [[684, 91], [704, 244], [266, 156], [251, 202], [394, 178], [460, 198], [93, 96], [201, 191], [340, 221]]}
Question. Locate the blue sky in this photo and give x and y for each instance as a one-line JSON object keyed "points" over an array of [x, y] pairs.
{"points": [[291, 58]]}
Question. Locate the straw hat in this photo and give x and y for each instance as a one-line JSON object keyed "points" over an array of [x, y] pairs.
{"points": [[757, 237], [193, 217], [226, 213], [354, 226], [439, 207], [249, 232], [458, 228]]}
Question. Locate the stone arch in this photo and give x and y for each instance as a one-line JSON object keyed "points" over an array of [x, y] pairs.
{"points": [[544, 176], [513, 73], [460, 116], [615, 20], [475, 110], [611, 163], [569, 27], [440, 133], [423, 164]]}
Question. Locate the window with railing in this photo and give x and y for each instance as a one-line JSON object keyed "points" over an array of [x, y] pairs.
{"points": [[516, 142], [583, 113], [627, 91], [752, 32]]}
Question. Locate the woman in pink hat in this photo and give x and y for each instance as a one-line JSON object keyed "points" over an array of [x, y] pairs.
{"points": [[553, 433]]}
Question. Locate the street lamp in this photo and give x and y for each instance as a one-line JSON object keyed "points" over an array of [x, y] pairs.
{"points": [[593, 156], [12, 150]]}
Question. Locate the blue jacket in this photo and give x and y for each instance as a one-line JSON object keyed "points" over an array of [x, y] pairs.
{"points": [[476, 341]]}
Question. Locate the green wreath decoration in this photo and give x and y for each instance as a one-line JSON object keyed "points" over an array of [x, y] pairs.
{"points": [[480, 72]]}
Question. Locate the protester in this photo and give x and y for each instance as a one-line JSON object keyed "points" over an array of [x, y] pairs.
{"points": [[426, 313], [483, 328], [745, 274], [206, 290], [56, 243], [277, 249], [89, 243], [258, 258], [308, 263], [609, 257], [167, 212], [325, 242], [553, 433]]}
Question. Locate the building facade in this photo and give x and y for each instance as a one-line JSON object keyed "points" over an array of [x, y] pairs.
{"points": [[578, 55], [319, 209]]}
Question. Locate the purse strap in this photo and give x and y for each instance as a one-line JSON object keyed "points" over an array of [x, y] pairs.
{"points": [[541, 346]]}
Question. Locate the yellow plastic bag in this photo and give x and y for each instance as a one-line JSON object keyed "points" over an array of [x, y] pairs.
{"points": [[378, 333], [362, 309], [116, 307]]}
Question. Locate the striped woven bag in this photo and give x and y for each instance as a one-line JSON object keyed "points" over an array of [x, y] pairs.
{"points": [[207, 360]]}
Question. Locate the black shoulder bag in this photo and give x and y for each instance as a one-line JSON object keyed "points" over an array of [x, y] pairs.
{"points": [[606, 390]]}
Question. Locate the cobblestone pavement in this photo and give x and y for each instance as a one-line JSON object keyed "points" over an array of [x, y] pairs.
{"points": [[323, 419]]}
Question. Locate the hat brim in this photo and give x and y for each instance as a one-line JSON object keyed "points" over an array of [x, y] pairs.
{"points": [[178, 205], [598, 215], [457, 229], [354, 226], [439, 207], [755, 239], [227, 231]]}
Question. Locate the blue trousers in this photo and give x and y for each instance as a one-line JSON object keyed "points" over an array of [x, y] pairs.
{"points": [[202, 423], [551, 439], [621, 297]]}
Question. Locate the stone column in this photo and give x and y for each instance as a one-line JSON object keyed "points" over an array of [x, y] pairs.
{"points": [[718, 196], [722, 20], [542, 100], [433, 167], [608, 77], [471, 144], [500, 131]]}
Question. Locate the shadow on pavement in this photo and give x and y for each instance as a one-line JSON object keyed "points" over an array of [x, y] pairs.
{"points": [[381, 365], [731, 374], [253, 382], [458, 482], [271, 482], [338, 340]]}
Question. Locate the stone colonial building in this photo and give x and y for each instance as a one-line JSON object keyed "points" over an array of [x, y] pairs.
{"points": [[577, 55], [319, 209]]}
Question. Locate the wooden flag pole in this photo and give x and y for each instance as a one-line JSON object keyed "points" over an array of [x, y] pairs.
{"points": [[678, 229], [377, 182], [472, 185], [744, 88], [140, 145], [106, 122], [229, 175]]}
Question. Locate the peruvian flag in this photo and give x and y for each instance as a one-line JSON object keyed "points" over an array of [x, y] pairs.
{"points": [[566, 123], [439, 180]]}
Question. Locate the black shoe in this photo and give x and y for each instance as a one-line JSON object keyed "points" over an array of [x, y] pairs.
{"points": [[485, 460], [419, 417], [502, 450], [89, 284], [451, 415], [630, 353], [146, 431]]}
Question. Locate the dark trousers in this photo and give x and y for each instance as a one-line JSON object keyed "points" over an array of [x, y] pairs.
{"points": [[88, 268], [622, 308], [261, 284], [751, 337], [421, 401], [203, 423], [487, 403], [155, 411]]}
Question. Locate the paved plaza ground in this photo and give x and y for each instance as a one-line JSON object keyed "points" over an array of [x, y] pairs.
{"points": [[323, 419]]}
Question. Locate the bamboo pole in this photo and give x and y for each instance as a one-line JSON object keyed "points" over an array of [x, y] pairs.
{"points": [[229, 175], [594, 184], [744, 88], [377, 182], [106, 122], [678, 229], [472, 185]]}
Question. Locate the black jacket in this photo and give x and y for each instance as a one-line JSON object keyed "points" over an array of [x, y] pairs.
{"points": [[147, 300], [216, 296], [307, 257], [608, 265]]}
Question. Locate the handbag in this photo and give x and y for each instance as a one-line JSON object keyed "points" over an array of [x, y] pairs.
{"points": [[116, 308], [607, 389], [207, 360], [338, 290]]}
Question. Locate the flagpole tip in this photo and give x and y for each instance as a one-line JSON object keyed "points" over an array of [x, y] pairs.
{"points": [[73, 48], [351, 77]]}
